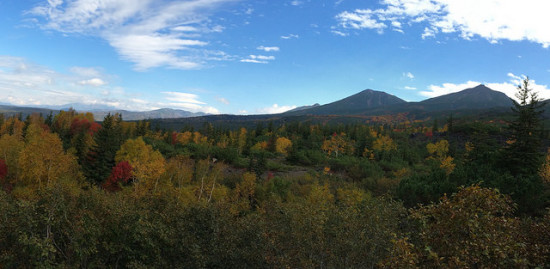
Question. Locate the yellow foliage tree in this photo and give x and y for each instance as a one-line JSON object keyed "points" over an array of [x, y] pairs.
{"points": [[439, 151], [198, 138], [282, 145], [447, 165], [337, 144], [243, 195], [43, 161], [262, 145], [148, 164], [241, 140], [10, 148], [12, 126], [184, 138], [384, 143]]}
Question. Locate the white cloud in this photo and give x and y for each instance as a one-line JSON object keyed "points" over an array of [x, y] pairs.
{"points": [[258, 59], [428, 32], [408, 75], [210, 110], [396, 24], [290, 36], [252, 61], [492, 20], [147, 33], [274, 109], [446, 88], [409, 88], [360, 19], [262, 57], [181, 97], [508, 87], [185, 28], [223, 100], [268, 49], [85, 71], [96, 82], [339, 33], [296, 3]]}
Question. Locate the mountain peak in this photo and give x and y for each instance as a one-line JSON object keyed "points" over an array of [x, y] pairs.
{"points": [[477, 97], [354, 104]]}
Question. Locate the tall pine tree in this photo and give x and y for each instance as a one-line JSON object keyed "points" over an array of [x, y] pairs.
{"points": [[523, 155], [101, 158]]}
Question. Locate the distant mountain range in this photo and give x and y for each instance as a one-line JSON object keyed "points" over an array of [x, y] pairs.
{"points": [[101, 111], [365, 103], [163, 113]]}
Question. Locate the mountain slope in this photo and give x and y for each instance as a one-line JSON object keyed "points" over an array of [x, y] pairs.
{"points": [[304, 107], [10, 110], [479, 97], [357, 103]]}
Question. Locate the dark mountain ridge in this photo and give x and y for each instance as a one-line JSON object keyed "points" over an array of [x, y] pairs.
{"points": [[478, 97], [355, 104]]}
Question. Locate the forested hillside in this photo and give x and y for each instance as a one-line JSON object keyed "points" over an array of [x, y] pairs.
{"points": [[452, 193]]}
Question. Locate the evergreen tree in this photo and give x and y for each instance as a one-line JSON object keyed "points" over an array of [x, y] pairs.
{"points": [[523, 156], [101, 158], [26, 125], [49, 120]]}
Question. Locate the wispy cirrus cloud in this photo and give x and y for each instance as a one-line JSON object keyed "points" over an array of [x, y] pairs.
{"points": [[290, 36], [492, 20], [148, 33]]}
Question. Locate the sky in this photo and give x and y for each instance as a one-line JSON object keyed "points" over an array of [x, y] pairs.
{"points": [[265, 56]]}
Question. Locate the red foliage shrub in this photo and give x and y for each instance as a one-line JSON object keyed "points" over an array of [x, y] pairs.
{"points": [[122, 172]]}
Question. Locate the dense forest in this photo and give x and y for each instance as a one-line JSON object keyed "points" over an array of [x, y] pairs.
{"points": [[432, 193]]}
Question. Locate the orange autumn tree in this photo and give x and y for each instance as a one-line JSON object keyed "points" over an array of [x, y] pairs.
{"points": [[337, 144]]}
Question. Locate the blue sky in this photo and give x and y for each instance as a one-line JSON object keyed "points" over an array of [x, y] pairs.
{"points": [[250, 57]]}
